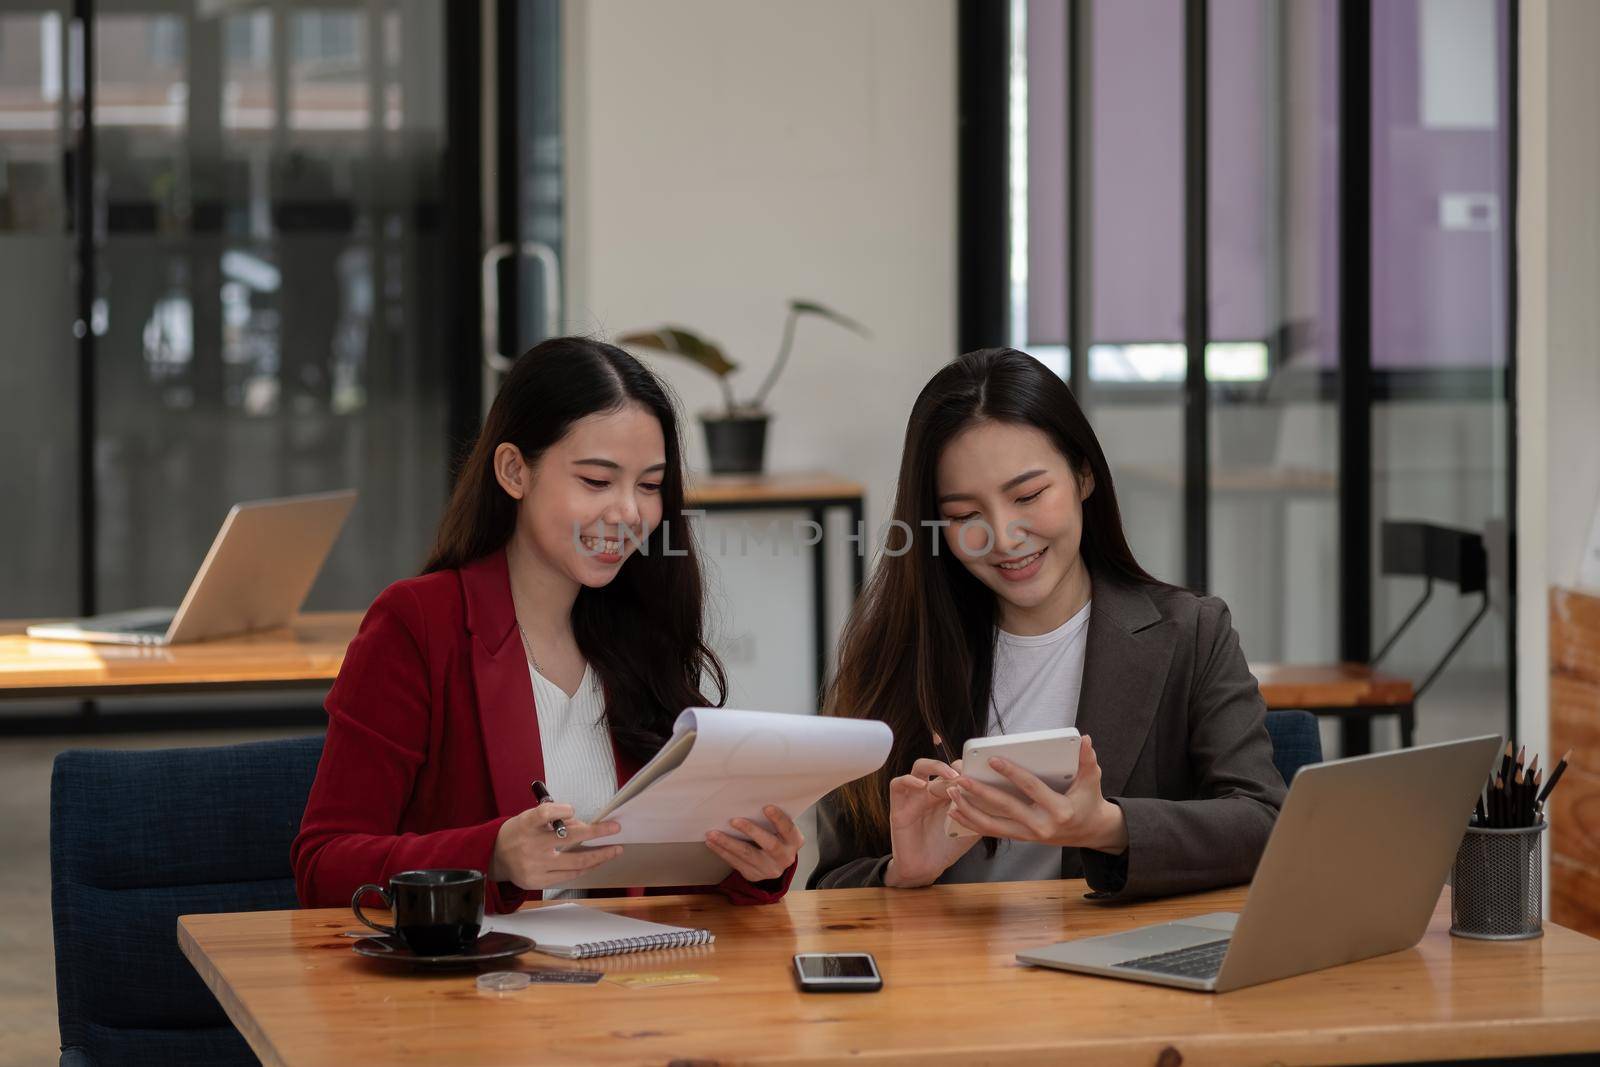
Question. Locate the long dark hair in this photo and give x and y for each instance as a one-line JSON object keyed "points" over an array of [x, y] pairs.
{"points": [[644, 631], [918, 651]]}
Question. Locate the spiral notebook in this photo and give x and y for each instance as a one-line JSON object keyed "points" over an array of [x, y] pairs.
{"points": [[575, 932]]}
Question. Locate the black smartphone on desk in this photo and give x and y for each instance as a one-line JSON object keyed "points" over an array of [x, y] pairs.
{"points": [[837, 972]]}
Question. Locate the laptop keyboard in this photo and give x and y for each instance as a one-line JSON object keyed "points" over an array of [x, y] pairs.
{"points": [[158, 628], [1197, 961]]}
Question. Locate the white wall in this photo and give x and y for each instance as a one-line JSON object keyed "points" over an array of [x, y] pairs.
{"points": [[1572, 276], [1558, 344], [727, 155]]}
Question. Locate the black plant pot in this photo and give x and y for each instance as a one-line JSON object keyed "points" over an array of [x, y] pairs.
{"points": [[736, 445]]}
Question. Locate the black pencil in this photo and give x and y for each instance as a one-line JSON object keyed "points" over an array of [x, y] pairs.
{"points": [[1555, 777], [1497, 804], [1505, 763], [1533, 788], [1528, 791]]}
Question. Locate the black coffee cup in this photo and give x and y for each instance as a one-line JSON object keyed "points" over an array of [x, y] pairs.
{"points": [[436, 913]]}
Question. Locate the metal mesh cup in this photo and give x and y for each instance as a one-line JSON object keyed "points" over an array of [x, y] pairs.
{"points": [[1497, 884]]}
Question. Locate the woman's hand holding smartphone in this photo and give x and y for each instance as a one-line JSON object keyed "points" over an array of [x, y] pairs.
{"points": [[1079, 818], [923, 850]]}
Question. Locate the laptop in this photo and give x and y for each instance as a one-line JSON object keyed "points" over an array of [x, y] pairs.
{"points": [[1353, 869], [255, 577]]}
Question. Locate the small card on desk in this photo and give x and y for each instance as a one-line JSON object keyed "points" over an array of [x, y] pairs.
{"points": [[564, 977], [657, 979]]}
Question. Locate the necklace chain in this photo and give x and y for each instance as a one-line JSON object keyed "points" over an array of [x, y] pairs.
{"points": [[528, 648]]}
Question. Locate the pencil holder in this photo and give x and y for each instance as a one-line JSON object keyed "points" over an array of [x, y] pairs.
{"points": [[1497, 884]]}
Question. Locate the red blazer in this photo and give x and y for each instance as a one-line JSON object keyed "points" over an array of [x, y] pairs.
{"points": [[432, 743]]}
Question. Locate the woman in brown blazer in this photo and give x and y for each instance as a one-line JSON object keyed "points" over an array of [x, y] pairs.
{"points": [[1012, 603]]}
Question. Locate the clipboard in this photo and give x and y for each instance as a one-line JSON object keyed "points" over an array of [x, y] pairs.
{"points": [[652, 864], [721, 764]]}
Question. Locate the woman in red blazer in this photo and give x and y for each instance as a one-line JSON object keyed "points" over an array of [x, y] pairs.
{"points": [[563, 551]]}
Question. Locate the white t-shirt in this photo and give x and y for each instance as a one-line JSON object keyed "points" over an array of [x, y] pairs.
{"points": [[1037, 679], [580, 767], [1036, 684]]}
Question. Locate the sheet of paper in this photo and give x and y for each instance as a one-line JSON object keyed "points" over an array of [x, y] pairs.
{"points": [[743, 760]]}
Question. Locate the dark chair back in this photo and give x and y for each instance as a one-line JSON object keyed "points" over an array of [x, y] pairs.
{"points": [[1437, 553], [1434, 554], [1296, 741], [138, 839]]}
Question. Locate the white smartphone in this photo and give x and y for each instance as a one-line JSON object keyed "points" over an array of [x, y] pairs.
{"points": [[837, 972], [1052, 755]]}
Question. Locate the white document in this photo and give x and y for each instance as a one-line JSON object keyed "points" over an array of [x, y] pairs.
{"points": [[723, 764]]}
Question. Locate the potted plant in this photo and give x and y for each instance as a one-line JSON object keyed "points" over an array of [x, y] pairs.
{"points": [[736, 436]]}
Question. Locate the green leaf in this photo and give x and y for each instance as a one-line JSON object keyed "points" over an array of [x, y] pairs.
{"points": [[813, 307], [681, 342]]}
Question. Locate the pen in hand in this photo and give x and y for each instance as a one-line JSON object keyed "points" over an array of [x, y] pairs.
{"points": [[542, 795]]}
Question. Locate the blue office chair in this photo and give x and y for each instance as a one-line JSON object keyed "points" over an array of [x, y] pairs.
{"points": [[138, 839], [1296, 741]]}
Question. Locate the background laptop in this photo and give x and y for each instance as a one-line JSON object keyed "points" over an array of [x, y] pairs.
{"points": [[1353, 869], [255, 577]]}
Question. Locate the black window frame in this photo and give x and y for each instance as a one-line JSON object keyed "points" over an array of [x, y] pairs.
{"points": [[983, 245]]}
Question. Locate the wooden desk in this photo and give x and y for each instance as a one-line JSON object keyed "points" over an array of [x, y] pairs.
{"points": [[814, 493], [953, 992], [794, 489], [1331, 685], [308, 652], [1353, 691], [1247, 479]]}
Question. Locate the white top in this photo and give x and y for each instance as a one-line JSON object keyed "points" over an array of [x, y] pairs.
{"points": [[1037, 679], [580, 767], [1036, 685]]}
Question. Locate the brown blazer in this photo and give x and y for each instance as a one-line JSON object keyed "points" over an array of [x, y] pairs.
{"points": [[1180, 729]]}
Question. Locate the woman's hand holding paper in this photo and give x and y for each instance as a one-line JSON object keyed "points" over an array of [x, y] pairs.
{"points": [[528, 853], [767, 854]]}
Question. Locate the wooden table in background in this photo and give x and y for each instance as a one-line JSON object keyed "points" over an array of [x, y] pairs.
{"points": [[1354, 692], [814, 493], [793, 489], [953, 992], [305, 653], [1330, 685]]}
